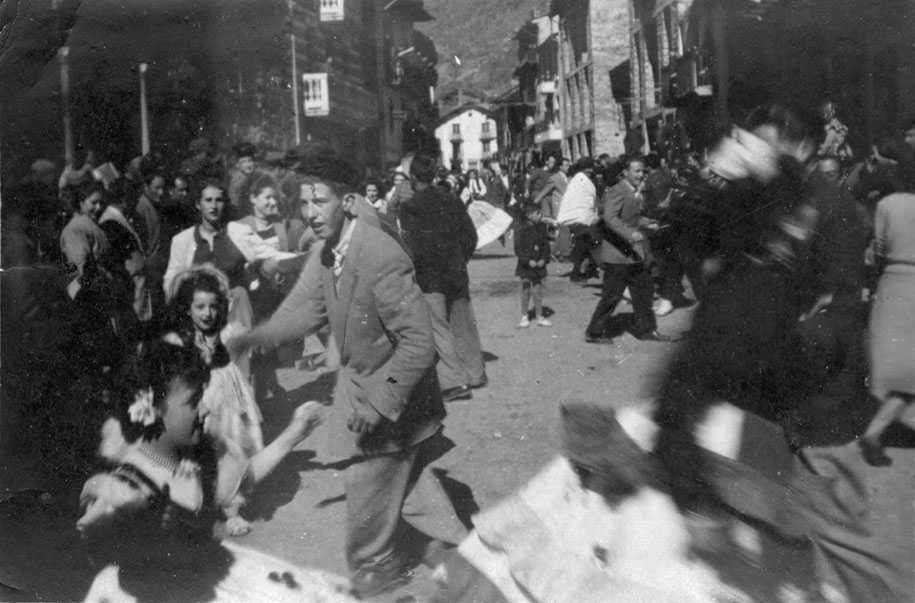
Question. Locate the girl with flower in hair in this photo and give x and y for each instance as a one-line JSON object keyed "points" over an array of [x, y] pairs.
{"points": [[148, 521]]}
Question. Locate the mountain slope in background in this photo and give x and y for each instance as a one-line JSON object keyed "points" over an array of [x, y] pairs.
{"points": [[481, 34]]}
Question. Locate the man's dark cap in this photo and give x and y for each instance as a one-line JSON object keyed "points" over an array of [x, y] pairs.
{"points": [[244, 149], [585, 163]]}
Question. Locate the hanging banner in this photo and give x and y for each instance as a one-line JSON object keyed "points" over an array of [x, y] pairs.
{"points": [[316, 93], [331, 10]]}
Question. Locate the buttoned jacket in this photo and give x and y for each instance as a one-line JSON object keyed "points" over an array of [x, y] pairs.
{"points": [[622, 217]]}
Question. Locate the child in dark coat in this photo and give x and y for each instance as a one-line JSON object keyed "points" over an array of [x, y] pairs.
{"points": [[532, 246]]}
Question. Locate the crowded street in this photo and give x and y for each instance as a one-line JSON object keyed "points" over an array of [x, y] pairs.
{"points": [[457, 301], [502, 436]]}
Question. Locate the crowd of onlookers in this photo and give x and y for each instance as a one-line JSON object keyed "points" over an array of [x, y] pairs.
{"points": [[89, 257], [93, 255], [90, 252]]}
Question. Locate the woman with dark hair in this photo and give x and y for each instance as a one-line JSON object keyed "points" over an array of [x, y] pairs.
{"points": [[266, 220], [375, 195], [82, 241]]}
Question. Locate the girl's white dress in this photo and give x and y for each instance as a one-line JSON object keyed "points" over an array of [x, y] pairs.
{"points": [[228, 408]]}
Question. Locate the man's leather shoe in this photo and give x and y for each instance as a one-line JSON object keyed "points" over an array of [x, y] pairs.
{"points": [[373, 579], [461, 392], [599, 339], [655, 336]]}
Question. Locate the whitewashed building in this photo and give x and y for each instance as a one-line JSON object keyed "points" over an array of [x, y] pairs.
{"points": [[467, 137]]}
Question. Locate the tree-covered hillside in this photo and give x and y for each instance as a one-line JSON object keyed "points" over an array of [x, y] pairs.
{"points": [[481, 34]]}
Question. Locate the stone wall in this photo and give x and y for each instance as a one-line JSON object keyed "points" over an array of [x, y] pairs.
{"points": [[609, 42]]}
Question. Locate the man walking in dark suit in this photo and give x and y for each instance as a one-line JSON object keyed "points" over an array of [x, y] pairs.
{"points": [[441, 237], [623, 257], [387, 402]]}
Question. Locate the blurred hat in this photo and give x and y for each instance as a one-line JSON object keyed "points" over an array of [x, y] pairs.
{"points": [[742, 155], [41, 167], [293, 158], [195, 166], [593, 438], [244, 149], [275, 158], [200, 145]]}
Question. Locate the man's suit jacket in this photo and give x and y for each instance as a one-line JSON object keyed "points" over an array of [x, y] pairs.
{"points": [[382, 326], [622, 216]]}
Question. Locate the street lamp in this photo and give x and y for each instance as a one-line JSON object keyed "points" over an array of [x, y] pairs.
{"points": [[295, 76], [144, 117], [63, 53]]}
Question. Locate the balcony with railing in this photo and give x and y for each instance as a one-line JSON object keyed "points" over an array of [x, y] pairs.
{"points": [[456, 133]]}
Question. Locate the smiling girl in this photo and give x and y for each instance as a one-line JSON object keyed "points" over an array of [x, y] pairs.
{"points": [[197, 320]]}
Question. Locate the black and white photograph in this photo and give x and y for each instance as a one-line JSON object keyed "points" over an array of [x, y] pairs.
{"points": [[457, 301]]}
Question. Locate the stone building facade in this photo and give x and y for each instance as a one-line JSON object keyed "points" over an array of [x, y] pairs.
{"points": [[379, 73], [593, 41], [700, 64]]}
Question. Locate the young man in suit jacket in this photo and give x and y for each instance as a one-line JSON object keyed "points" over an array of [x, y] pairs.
{"points": [[623, 256], [387, 400]]}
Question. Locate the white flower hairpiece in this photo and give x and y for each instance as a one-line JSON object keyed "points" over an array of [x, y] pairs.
{"points": [[142, 410]]}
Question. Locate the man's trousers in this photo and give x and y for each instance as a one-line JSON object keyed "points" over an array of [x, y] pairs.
{"points": [[616, 278], [467, 339], [382, 489], [450, 372]]}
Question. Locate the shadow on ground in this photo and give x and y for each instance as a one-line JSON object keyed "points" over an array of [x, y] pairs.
{"points": [[280, 487]]}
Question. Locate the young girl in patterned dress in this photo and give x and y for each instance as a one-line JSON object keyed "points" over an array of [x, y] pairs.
{"points": [[197, 319]]}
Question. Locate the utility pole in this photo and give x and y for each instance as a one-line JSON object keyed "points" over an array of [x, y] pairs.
{"points": [[144, 116], [295, 75], [384, 92], [65, 99], [722, 61]]}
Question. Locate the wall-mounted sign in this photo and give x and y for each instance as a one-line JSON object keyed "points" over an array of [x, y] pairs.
{"points": [[331, 10], [316, 93]]}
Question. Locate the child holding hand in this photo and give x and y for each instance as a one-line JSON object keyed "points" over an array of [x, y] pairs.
{"points": [[532, 246]]}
